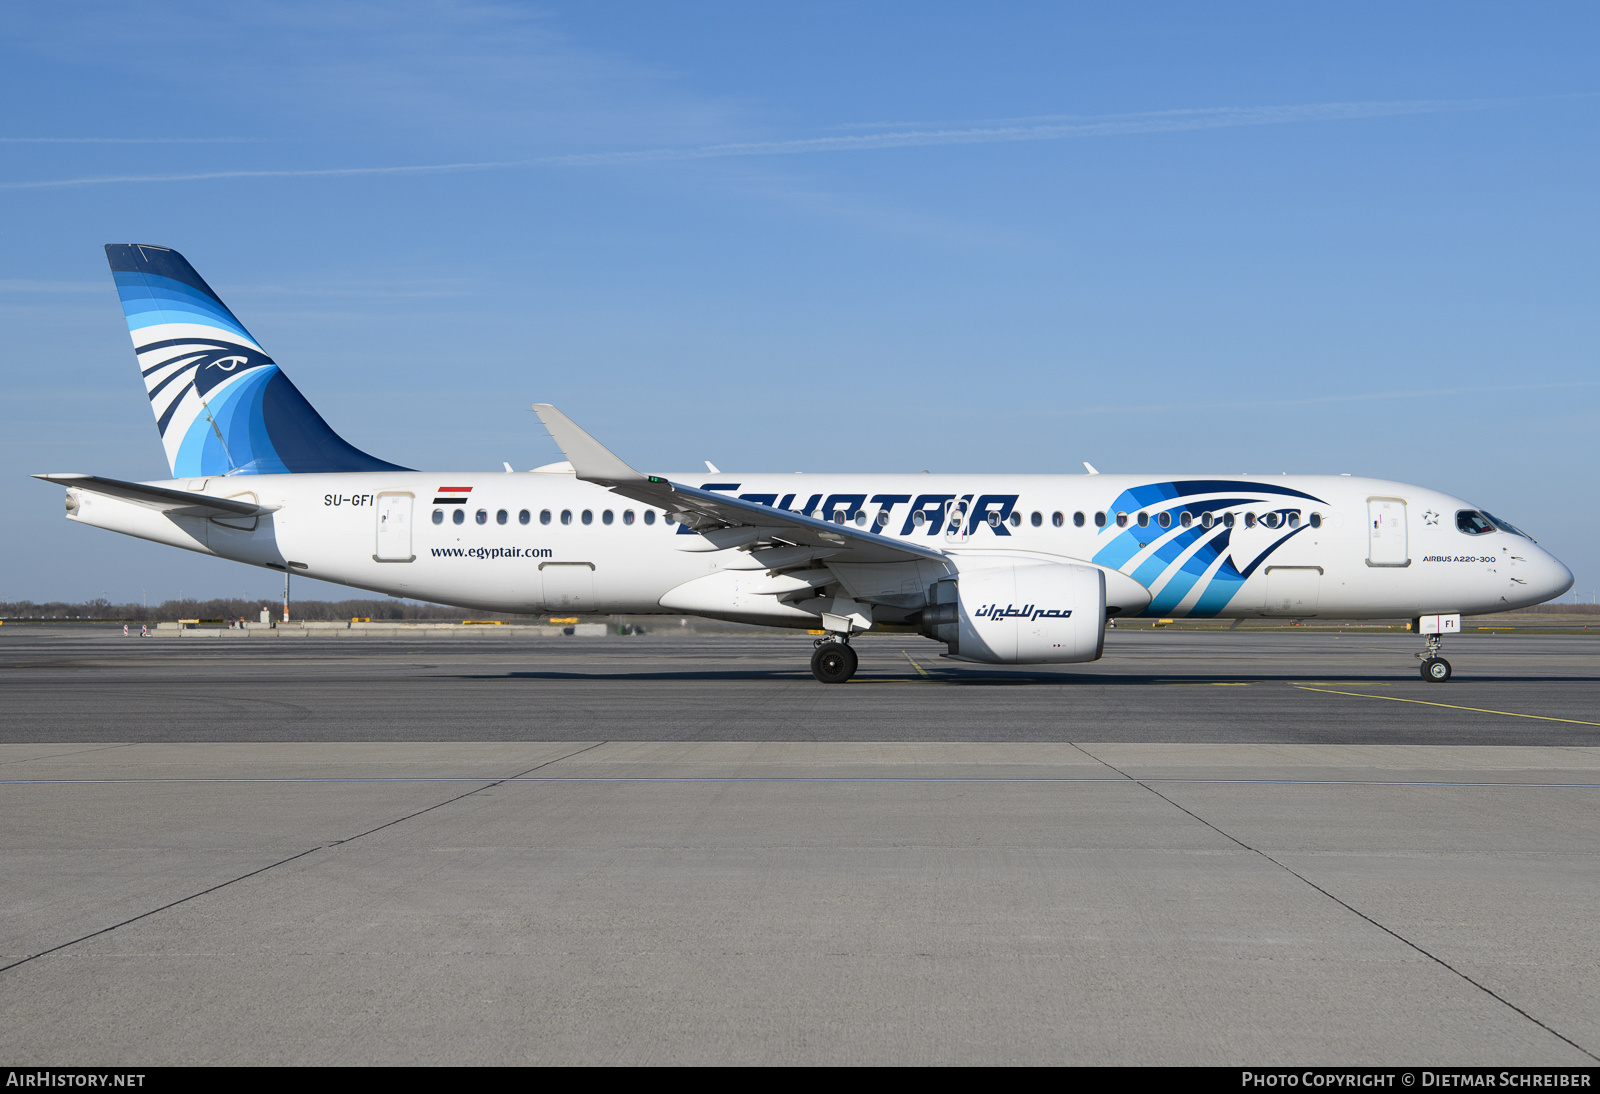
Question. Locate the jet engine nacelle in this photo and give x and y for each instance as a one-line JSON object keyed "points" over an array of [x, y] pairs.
{"points": [[1020, 613]]}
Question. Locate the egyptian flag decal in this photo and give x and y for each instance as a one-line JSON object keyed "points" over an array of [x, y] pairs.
{"points": [[452, 495]]}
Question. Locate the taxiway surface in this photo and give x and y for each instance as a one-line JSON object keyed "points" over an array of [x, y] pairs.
{"points": [[1227, 849], [1232, 688]]}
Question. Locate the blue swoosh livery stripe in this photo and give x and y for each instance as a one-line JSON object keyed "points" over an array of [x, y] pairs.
{"points": [[1213, 555], [1141, 497], [149, 300], [1165, 555]]}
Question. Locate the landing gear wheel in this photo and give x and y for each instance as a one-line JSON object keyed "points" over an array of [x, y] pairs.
{"points": [[1436, 669], [833, 663]]}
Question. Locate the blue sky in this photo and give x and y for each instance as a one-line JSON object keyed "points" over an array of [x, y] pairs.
{"points": [[1163, 238]]}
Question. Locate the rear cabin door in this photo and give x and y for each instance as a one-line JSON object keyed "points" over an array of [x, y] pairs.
{"points": [[394, 528], [1386, 532]]}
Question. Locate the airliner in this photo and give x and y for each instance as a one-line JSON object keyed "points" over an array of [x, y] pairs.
{"points": [[1000, 569]]}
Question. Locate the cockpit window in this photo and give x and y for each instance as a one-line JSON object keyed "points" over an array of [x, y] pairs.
{"points": [[1504, 527], [1473, 523]]}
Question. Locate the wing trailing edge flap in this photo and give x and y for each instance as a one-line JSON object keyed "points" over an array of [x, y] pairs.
{"points": [[778, 537], [165, 499]]}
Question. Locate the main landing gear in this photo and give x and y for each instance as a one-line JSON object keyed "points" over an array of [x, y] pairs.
{"points": [[1434, 667], [833, 661]]}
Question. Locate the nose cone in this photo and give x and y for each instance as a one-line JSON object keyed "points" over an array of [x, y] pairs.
{"points": [[1549, 577]]}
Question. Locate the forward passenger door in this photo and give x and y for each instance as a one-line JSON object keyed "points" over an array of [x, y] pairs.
{"points": [[1386, 532]]}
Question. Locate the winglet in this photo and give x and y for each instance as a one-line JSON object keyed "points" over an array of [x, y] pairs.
{"points": [[591, 460]]}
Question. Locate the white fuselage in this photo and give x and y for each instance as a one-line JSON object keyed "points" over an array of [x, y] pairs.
{"points": [[1232, 546]]}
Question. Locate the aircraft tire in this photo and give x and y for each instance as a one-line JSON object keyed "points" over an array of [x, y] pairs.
{"points": [[1436, 669], [833, 662]]}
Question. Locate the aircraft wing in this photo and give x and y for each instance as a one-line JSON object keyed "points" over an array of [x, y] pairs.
{"points": [[723, 521], [181, 502]]}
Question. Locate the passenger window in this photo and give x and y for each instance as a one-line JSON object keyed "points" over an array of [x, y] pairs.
{"points": [[1099, 520], [566, 516], [1122, 520], [1270, 519], [523, 517], [994, 520], [668, 518], [1294, 519], [1016, 519], [1185, 519], [483, 516], [1037, 520], [861, 517], [606, 517], [1165, 520], [500, 517], [1249, 520], [1227, 520], [459, 516], [588, 516], [1316, 520], [544, 516], [1144, 520], [627, 516], [649, 516], [438, 516], [882, 518], [1207, 520], [1473, 523], [919, 518], [1077, 520]]}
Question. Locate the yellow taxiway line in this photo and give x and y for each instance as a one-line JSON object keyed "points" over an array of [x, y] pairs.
{"points": [[1452, 706]]}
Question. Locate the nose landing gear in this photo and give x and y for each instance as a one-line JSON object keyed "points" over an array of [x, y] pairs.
{"points": [[833, 661], [1433, 628], [1434, 667]]}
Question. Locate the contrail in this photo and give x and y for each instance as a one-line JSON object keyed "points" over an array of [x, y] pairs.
{"points": [[1165, 121], [1356, 397], [132, 140], [409, 169], [1054, 129]]}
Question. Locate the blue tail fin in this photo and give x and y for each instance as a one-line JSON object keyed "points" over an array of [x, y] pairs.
{"points": [[222, 405]]}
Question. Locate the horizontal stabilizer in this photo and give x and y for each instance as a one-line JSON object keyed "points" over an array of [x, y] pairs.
{"points": [[160, 497]]}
